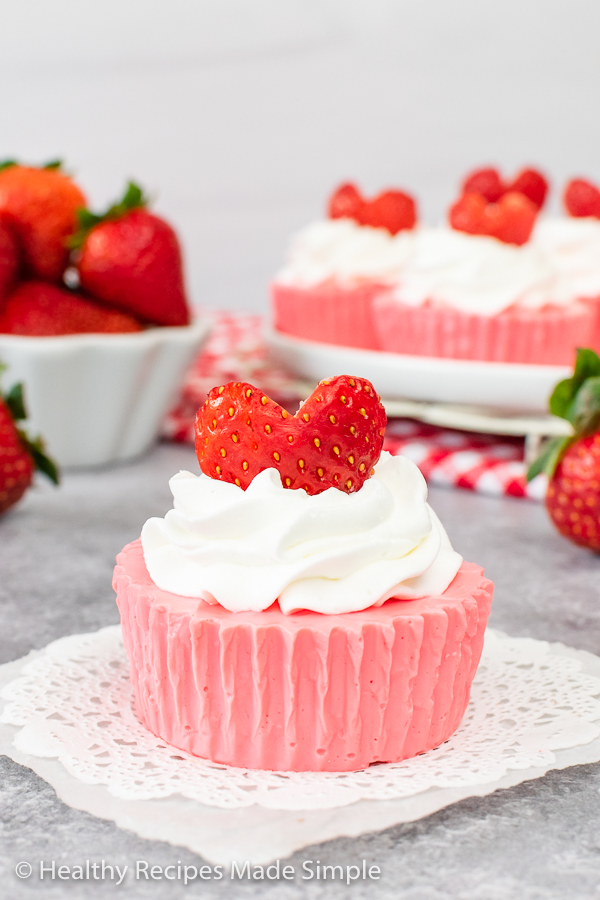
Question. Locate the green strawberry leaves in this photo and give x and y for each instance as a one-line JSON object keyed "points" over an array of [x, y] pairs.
{"points": [[587, 365], [576, 399], [54, 164], [550, 457], [584, 412], [15, 402], [133, 198], [37, 450]]}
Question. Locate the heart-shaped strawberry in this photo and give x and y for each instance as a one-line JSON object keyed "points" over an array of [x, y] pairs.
{"points": [[510, 220], [334, 440], [393, 210], [485, 182], [489, 185]]}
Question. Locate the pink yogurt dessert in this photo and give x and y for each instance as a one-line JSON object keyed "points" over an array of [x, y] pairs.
{"points": [[271, 629], [335, 271], [466, 296], [434, 291]]}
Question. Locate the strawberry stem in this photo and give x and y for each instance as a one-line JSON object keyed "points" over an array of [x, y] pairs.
{"points": [[133, 198], [576, 399], [54, 164], [15, 404], [37, 450], [14, 401], [550, 456]]}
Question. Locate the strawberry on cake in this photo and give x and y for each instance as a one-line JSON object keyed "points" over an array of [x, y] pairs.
{"points": [[301, 607], [497, 283], [485, 288]]}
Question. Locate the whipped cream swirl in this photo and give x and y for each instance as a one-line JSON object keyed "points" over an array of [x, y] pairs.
{"points": [[573, 245], [330, 553], [341, 250], [473, 273]]}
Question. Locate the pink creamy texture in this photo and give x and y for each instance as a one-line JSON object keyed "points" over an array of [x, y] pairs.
{"points": [[303, 691], [329, 312], [546, 336]]}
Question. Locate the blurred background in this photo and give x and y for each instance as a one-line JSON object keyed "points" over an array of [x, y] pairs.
{"points": [[240, 116]]}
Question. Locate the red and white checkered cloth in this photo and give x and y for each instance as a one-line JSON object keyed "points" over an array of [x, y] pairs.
{"points": [[235, 351]]}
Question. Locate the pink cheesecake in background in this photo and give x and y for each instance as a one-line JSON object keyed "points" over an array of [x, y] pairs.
{"points": [[529, 296], [330, 312], [306, 691], [337, 267], [465, 296], [317, 628]]}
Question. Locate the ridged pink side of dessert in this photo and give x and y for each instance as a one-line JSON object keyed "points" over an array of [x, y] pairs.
{"points": [[328, 312], [547, 336], [304, 691]]}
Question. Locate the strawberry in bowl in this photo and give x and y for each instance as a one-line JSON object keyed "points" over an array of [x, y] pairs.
{"points": [[130, 259], [94, 317]]}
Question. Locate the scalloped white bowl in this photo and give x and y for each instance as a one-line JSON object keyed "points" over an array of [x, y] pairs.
{"points": [[100, 398]]}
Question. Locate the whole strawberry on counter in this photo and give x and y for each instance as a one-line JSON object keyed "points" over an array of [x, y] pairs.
{"points": [[41, 205], [573, 463], [19, 455], [131, 259]]}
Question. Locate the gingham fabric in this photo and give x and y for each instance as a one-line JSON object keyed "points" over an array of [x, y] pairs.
{"points": [[235, 351]]}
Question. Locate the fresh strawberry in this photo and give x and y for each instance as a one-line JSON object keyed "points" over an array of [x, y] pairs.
{"points": [[392, 210], [334, 440], [9, 258], [488, 184], [42, 205], [345, 203], [40, 309], [532, 185], [573, 498], [510, 220], [131, 259], [19, 456], [573, 463], [469, 214], [582, 198], [485, 182]]}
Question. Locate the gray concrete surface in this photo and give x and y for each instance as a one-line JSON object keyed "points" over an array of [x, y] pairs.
{"points": [[537, 840]]}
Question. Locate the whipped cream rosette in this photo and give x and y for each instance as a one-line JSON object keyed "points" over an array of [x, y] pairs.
{"points": [[332, 553]]}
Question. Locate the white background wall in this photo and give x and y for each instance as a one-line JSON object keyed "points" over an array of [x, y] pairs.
{"points": [[241, 115]]}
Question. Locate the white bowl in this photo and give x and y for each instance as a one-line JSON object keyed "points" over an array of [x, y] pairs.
{"points": [[100, 398]]}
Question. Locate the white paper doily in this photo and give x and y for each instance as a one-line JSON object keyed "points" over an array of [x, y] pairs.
{"points": [[530, 703]]}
